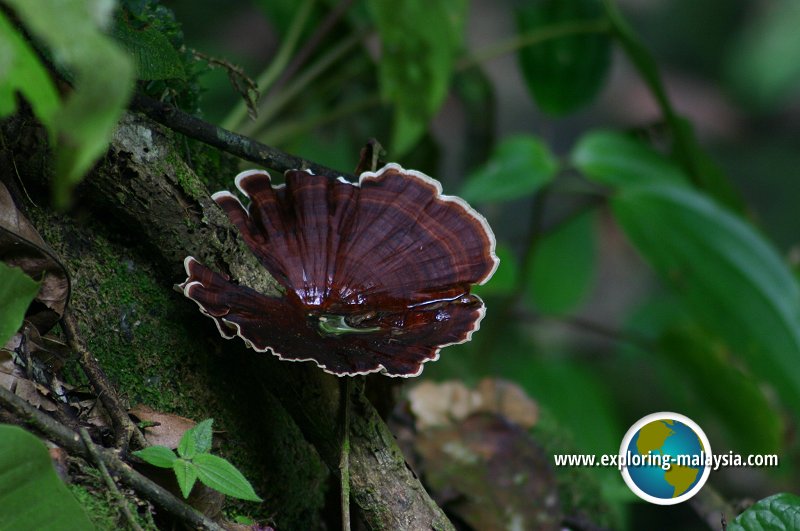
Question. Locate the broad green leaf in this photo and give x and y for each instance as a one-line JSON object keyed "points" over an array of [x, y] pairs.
{"points": [[20, 70], [706, 369], [730, 278], [186, 474], [202, 435], [518, 167], [564, 72], [780, 512], [561, 268], [17, 290], [419, 40], [152, 53], [160, 456], [680, 351], [764, 66], [220, 475], [187, 446], [31, 495], [505, 279], [102, 77], [615, 159]]}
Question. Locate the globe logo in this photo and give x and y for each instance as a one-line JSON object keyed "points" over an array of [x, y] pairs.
{"points": [[665, 458]]}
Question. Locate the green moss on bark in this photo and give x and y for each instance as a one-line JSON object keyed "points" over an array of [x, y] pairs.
{"points": [[157, 349]]}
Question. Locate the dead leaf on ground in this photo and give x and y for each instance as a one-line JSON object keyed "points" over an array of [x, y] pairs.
{"points": [[168, 428], [22, 246]]}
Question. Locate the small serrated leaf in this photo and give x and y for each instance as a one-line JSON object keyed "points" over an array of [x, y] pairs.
{"points": [[160, 456], [203, 436], [220, 475], [152, 53], [186, 474], [187, 447]]}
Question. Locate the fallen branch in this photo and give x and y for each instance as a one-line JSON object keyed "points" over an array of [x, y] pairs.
{"points": [[72, 442], [124, 428], [241, 146]]}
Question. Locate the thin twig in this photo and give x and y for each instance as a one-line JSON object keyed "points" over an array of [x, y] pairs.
{"points": [[124, 428], [344, 462], [320, 32], [71, 441], [227, 141], [123, 503], [276, 66]]}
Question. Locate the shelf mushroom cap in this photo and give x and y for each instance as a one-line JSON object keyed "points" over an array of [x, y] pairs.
{"points": [[377, 275]]}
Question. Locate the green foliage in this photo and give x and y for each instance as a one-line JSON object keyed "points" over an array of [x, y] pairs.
{"points": [[24, 73], [617, 160], [566, 72], [84, 122], [505, 279], [764, 65], [731, 279], [30, 486], [780, 512], [193, 462], [561, 266], [518, 167], [152, 53], [419, 40], [17, 290]]}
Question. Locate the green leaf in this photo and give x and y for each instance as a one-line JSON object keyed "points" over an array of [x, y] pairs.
{"points": [[562, 265], [160, 456], [564, 72], [202, 435], [17, 290], [30, 486], [102, 77], [186, 474], [419, 40], [21, 71], [705, 368], [519, 166], [151, 51], [780, 512], [187, 446], [617, 160], [220, 475], [729, 277], [764, 66], [505, 279]]}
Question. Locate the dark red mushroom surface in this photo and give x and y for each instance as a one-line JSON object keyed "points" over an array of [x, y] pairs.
{"points": [[377, 274]]}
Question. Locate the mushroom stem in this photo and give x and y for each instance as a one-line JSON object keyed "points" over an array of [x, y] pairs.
{"points": [[345, 385]]}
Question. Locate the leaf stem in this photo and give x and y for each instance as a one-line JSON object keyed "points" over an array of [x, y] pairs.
{"points": [[556, 31], [640, 57], [278, 101], [276, 66], [123, 503]]}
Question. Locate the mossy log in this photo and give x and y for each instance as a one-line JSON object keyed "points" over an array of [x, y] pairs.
{"points": [[140, 212]]}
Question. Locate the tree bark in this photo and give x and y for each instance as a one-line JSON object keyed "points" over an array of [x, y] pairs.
{"points": [[149, 190]]}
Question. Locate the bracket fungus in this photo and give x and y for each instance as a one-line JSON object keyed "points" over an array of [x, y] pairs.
{"points": [[377, 275]]}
